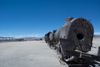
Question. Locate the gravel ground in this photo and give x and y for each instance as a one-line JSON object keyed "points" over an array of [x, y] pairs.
{"points": [[96, 44], [33, 54], [28, 54]]}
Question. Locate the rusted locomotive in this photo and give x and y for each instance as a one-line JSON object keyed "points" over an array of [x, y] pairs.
{"points": [[72, 39], [79, 31], [47, 39]]}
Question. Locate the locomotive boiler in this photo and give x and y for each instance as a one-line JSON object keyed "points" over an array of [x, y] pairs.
{"points": [[73, 39], [78, 30], [47, 39]]}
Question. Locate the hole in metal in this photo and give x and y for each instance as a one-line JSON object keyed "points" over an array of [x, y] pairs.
{"points": [[80, 36]]}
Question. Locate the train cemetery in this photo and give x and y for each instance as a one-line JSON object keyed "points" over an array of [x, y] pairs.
{"points": [[72, 45], [73, 41]]}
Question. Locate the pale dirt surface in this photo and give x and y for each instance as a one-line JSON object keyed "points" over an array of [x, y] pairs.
{"points": [[33, 54], [28, 54], [96, 44]]}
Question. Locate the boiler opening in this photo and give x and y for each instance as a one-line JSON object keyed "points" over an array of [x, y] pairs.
{"points": [[80, 36]]}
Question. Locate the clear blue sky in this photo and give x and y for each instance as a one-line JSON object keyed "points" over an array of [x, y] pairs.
{"points": [[37, 17]]}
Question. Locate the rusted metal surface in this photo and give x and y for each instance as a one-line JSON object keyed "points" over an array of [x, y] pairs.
{"points": [[47, 39], [51, 36], [73, 40], [80, 30]]}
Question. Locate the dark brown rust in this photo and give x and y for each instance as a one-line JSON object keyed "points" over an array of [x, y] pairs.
{"points": [[80, 30], [73, 40], [47, 39]]}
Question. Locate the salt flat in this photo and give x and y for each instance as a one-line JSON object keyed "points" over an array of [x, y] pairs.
{"points": [[28, 54], [96, 44], [33, 54]]}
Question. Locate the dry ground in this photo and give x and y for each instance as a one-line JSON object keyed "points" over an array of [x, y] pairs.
{"points": [[28, 54], [96, 44], [32, 54]]}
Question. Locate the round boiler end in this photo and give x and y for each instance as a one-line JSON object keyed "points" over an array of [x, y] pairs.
{"points": [[81, 31]]}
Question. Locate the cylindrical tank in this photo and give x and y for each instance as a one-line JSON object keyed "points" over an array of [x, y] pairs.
{"points": [[79, 30], [51, 36], [47, 39], [61, 32]]}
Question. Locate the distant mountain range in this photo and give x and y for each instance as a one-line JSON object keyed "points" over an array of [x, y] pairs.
{"points": [[31, 38]]}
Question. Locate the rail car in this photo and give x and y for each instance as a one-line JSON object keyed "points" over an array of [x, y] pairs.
{"points": [[73, 40]]}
